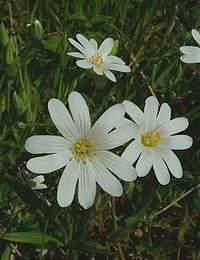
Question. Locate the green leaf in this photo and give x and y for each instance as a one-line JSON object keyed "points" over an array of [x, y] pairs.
{"points": [[9, 53], [53, 43], [4, 189], [165, 74], [21, 106], [6, 254], [93, 247], [29, 237], [197, 203], [2, 103], [4, 38]]}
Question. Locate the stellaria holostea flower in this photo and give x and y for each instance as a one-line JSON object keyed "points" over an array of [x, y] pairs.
{"points": [[83, 149], [98, 58], [191, 53], [155, 140]]}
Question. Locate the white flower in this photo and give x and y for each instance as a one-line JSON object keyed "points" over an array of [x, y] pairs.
{"points": [[191, 53], [35, 22], [38, 181], [83, 149], [97, 58], [155, 140]]}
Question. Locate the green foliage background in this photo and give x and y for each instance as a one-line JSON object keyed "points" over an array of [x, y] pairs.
{"points": [[34, 67]]}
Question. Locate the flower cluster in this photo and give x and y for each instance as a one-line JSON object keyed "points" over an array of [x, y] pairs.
{"points": [[83, 150]]}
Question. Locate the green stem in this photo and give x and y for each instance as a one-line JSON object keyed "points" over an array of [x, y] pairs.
{"points": [[119, 248], [43, 239]]}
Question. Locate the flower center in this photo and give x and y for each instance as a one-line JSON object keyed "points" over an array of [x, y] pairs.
{"points": [[151, 138], [83, 149], [97, 60]]}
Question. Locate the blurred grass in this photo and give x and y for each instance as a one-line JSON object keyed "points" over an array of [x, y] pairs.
{"points": [[34, 67]]}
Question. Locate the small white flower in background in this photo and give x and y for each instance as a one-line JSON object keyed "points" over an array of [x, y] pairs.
{"points": [[83, 149], [35, 22], [97, 58], [191, 53], [38, 182], [155, 140]]}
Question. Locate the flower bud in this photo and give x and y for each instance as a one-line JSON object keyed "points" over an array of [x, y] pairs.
{"points": [[38, 30]]}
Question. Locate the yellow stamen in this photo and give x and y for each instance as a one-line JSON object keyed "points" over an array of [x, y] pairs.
{"points": [[83, 149], [151, 138], [97, 60]]}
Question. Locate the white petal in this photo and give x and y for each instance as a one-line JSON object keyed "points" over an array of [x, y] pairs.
{"points": [[86, 44], [106, 180], [134, 112], [164, 114], [196, 36], [117, 165], [151, 110], [43, 186], [132, 152], [179, 142], [124, 121], [80, 112], [118, 67], [110, 75], [38, 179], [86, 185], [161, 171], [67, 184], [144, 163], [106, 46], [79, 47], [46, 144], [76, 55], [190, 50], [175, 125], [94, 43], [107, 121], [114, 59], [173, 163], [84, 64], [191, 58], [118, 137], [40, 186], [48, 163], [62, 119], [98, 70]]}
